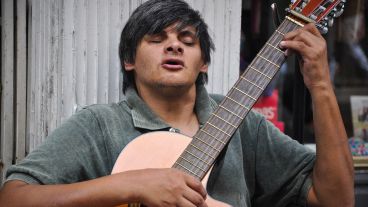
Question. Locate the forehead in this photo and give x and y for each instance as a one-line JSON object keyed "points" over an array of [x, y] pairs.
{"points": [[177, 27]]}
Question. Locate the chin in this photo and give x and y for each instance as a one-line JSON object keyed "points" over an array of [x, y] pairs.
{"points": [[171, 85]]}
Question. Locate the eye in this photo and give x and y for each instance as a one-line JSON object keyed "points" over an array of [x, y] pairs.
{"points": [[188, 41], [156, 40]]}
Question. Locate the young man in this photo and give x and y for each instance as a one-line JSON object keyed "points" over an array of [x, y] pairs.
{"points": [[165, 50]]}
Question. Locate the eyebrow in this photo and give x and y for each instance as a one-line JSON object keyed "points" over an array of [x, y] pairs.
{"points": [[182, 33], [187, 32]]}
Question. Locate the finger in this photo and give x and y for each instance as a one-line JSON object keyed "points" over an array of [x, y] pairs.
{"points": [[302, 35], [311, 27], [185, 203], [291, 35], [298, 46], [197, 186], [289, 52], [194, 197]]}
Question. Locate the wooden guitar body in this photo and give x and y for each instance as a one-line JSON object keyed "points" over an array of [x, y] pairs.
{"points": [[156, 150]]}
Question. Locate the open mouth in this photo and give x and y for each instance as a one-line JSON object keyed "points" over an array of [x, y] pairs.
{"points": [[173, 64]]}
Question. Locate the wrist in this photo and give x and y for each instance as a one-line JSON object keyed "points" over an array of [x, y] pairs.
{"points": [[320, 88]]}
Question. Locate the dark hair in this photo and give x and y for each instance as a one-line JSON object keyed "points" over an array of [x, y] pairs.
{"points": [[153, 17]]}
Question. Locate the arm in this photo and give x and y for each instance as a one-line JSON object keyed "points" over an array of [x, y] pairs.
{"points": [[152, 187], [333, 173]]}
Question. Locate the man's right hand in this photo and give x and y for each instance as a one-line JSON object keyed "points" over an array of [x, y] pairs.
{"points": [[151, 187], [167, 187]]}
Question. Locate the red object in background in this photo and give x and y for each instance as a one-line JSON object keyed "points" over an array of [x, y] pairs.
{"points": [[267, 105]]}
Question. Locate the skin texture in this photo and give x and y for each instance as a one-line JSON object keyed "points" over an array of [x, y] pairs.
{"points": [[170, 92]]}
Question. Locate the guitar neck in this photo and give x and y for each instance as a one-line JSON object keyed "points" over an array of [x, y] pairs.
{"points": [[211, 139]]}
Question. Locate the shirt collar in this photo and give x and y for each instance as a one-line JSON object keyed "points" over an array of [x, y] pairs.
{"points": [[143, 117]]}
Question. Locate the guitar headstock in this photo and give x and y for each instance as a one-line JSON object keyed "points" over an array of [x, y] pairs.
{"points": [[320, 12]]}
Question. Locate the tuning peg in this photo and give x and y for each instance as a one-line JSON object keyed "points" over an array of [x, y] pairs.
{"points": [[330, 22], [322, 29], [338, 13]]}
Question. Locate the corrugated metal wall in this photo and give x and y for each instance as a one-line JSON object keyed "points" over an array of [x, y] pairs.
{"points": [[13, 82], [73, 59]]}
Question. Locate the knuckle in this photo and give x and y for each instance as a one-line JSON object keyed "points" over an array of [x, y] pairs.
{"points": [[301, 45]]}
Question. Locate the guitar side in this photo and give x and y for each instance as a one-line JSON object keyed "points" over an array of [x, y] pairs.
{"points": [[156, 150]]}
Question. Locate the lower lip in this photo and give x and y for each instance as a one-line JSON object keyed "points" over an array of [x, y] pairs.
{"points": [[172, 67]]}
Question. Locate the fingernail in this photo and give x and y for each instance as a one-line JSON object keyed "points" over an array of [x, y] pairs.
{"points": [[282, 43]]}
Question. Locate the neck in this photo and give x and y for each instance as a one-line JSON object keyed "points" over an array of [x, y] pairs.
{"points": [[174, 106]]}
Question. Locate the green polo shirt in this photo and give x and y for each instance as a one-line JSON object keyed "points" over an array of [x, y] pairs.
{"points": [[260, 167]]}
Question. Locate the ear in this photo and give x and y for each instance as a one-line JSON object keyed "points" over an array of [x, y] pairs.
{"points": [[129, 66], [204, 68]]}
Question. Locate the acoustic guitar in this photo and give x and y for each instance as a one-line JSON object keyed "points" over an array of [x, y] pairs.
{"points": [[196, 155]]}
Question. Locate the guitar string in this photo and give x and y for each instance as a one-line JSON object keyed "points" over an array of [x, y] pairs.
{"points": [[265, 50], [194, 164]]}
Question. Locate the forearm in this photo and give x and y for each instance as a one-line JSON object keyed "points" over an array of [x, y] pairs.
{"points": [[99, 192], [333, 174]]}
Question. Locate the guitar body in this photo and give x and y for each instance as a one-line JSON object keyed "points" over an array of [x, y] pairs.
{"points": [[156, 150]]}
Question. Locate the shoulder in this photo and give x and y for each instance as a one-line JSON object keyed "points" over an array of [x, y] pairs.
{"points": [[98, 118], [106, 111]]}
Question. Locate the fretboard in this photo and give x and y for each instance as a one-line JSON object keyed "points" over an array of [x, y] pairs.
{"points": [[211, 139]]}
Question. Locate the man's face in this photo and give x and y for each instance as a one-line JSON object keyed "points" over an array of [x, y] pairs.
{"points": [[170, 59]]}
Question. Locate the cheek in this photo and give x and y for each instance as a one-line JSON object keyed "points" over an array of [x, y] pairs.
{"points": [[144, 60], [196, 58]]}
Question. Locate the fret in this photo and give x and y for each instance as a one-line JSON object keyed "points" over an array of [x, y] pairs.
{"points": [[219, 129], [251, 82], [186, 168], [231, 112], [280, 32], [225, 121], [245, 93], [206, 144], [196, 166], [295, 21], [271, 56], [237, 103], [276, 48], [240, 104], [199, 149], [269, 61], [213, 136], [260, 72], [195, 156]]}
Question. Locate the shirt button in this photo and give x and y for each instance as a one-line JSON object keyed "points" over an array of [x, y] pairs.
{"points": [[172, 129]]}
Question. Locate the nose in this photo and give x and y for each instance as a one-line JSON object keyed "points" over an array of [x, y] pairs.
{"points": [[174, 47]]}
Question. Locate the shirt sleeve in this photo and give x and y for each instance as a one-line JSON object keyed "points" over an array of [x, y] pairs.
{"points": [[73, 152], [283, 168]]}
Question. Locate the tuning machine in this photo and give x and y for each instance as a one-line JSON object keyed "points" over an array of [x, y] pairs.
{"points": [[328, 21]]}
